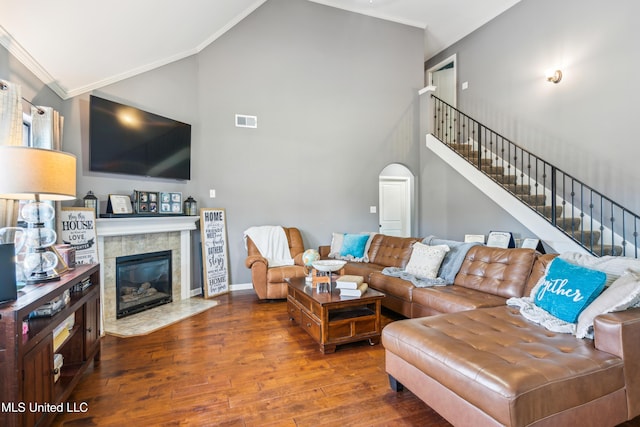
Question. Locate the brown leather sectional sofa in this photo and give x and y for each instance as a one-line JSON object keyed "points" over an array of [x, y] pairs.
{"points": [[480, 363], [487, 278]]}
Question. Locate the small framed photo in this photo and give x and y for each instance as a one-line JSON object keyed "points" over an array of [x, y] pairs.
{"points": [[145, 201], [171, 203]]}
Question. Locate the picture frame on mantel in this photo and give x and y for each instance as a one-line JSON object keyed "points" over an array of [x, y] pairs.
{"points": [[119, 204], [215, 259]]}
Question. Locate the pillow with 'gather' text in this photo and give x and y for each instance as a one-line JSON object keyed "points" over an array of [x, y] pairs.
{"points": [[567, 289]]}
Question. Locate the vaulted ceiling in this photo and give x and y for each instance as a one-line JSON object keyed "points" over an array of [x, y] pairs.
{"points": [[77, 46]]}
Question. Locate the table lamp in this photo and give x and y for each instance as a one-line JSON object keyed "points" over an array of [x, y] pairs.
{"points": [[37, 174]]}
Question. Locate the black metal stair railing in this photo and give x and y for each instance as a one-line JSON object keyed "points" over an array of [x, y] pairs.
{"points": [[596, 222]]}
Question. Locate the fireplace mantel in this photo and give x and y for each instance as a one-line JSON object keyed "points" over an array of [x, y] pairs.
{"points": [[147, 224], [110, 228]]}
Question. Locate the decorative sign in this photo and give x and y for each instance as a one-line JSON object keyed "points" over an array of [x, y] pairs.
{"points": [[501, 239], [215, 264], [77, 227]]}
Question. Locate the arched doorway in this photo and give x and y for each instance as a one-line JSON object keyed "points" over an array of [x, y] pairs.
{"points": [[396, 186]]}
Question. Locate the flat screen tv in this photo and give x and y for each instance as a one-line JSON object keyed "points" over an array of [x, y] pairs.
{"points": [[127, 140]]}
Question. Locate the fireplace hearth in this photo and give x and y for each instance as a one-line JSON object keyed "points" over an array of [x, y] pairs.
{"points": [[143, 281]]}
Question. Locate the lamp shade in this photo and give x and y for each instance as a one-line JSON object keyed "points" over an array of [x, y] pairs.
{"points": [[26, 171]]}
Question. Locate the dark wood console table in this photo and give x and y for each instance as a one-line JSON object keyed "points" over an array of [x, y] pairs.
{"points": [[28, 389]]}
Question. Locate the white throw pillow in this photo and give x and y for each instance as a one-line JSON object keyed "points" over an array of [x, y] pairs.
{"points": [[336, 244], [425, 260], [612, 266], [622, 294]]}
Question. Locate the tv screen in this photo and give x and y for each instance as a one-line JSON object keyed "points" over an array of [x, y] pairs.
{"points": [[127, 140]]}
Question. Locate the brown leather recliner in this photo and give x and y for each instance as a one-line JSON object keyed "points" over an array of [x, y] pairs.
{"points": [[269, 283]]}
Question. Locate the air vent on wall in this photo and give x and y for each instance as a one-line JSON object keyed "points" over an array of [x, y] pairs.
{"points": [[243, 121]]}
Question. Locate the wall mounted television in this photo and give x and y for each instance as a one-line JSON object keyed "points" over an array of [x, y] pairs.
{"points": [[127, 140]]}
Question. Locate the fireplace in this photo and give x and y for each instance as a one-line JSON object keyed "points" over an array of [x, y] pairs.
{"points": [[143, 281]]}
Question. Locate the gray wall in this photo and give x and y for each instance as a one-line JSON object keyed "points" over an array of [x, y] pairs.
{"points": [[585, 125], [336, 98], [335, 95]]}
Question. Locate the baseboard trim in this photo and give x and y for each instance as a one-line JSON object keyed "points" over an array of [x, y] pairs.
{"points": [[241, 287], [237, 287]]}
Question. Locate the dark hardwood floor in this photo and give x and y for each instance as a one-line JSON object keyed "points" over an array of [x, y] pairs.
{"points": [[241, 363]]}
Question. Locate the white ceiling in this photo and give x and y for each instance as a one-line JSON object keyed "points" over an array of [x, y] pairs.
{"points": [[77, 46]]}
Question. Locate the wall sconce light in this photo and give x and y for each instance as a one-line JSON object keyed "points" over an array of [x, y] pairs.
{"points": [[553, 76]]}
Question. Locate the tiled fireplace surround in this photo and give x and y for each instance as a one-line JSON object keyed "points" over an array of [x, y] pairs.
{"points": [[130, 236]]}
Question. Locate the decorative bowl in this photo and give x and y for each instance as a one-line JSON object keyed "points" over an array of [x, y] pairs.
{"points": [[329, 265]]}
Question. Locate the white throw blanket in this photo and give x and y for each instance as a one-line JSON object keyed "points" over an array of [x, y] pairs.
{"points": [[532, 312], [272, 243]]}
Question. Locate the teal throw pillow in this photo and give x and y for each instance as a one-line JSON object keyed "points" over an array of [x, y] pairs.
{"points": [[354, 244], [568, 289]]}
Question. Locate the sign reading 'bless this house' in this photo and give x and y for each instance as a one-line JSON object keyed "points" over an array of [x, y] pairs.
{"points": [[77, 227]]}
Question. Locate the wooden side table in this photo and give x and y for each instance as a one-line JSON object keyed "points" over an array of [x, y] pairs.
{"points": [[333, 320]]}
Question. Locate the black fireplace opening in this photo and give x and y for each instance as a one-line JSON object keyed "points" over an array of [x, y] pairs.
{"points": [[143, 281]]}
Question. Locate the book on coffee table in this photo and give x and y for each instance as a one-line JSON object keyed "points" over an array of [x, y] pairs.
{"points": [[361, 289], [349, 282]]}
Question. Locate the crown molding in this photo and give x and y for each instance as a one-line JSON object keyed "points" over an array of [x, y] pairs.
{"points": [[21, 54], [239, 17], [370, 11], [40, 72]]}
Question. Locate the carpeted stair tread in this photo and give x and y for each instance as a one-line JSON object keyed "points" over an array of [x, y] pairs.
{"points": [[569, 224], [533, 199], [546, 211], [460, 146], [518, 188], [474, 160], [607, 250], [493, 170], [504, 179], [586, 237]]}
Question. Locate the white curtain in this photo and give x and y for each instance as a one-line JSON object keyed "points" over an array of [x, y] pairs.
{"points": [[10, 134], [10, 114], [46, 128]]}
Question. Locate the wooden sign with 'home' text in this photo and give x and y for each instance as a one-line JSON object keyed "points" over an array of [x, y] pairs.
{"points": [[215, 263]]}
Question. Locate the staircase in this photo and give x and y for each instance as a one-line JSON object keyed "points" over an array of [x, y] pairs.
{"points": [[589, 219]]}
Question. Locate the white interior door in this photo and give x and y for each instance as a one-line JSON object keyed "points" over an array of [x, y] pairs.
{"points": [[443, 77], [444, 81], [395, 219]]}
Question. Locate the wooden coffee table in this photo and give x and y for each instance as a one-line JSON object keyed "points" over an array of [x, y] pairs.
{"points": [[332, 320]]}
